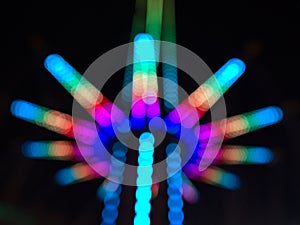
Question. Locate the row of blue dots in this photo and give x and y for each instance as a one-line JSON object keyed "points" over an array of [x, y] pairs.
{"points": [[112, 190], [174, 190], [144, 180]]}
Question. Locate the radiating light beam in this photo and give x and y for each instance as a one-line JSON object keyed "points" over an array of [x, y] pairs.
{"points": [[214, 176], [232, 154], [81, 89], [86, 94], [189, 192], [204, 97], [55, 150], [81, 172], [240, 124], [53, 120]]}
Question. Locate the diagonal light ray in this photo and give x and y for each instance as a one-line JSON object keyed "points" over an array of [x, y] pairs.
{"points": [[53, 120], [204, 97], [239, 124], [88, 96], [80, 88], [189, 192], [214, 176], [81, 172]]}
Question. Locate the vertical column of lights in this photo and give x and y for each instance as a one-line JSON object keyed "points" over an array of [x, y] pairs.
{"points": [[170, 90], [144, 90], [154, 22], [111, 190], [151, 92], [175, 181], [138, 26], [170, 87], [144, 179], [138, 108], [153, 27]]}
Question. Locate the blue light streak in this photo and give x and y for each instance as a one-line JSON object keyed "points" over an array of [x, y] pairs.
{"points": [[144, 179], [174, 190]]}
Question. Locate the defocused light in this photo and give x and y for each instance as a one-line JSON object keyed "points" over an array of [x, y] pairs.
{"points": [[204, 97], [260, 155], [189, 192], [80, 88], [240, 124], [80, 172], [62, 150], [54, 120], [145, 88], [65, 176], [110, 191], [86, 94], [153, 110], [214, 176], [219, 177], [229, 73], [145, 107], [245, 155], [50, 119], [154, 22], [174, 190], [169, 54], [155, 188], [144, 179]]}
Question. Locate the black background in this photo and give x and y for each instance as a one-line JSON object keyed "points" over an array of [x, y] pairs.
{"points": [[265, 37]]}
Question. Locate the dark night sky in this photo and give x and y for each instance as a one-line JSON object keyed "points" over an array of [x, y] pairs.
{"points": [[266, 38]]}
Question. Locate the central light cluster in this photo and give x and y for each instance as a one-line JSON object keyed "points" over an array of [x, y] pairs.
{"points": [[140, 91]]}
